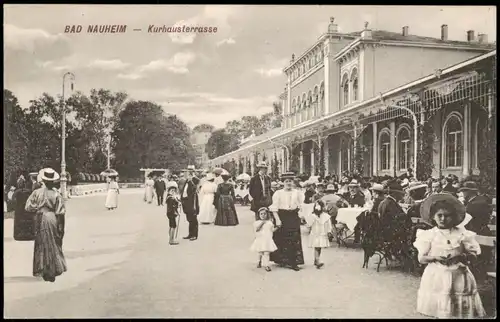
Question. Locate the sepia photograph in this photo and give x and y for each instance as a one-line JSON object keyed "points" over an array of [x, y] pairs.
{"points": [[249, 161]]}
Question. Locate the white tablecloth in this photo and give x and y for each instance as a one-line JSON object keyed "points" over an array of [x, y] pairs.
{"points": [[348, 216]]}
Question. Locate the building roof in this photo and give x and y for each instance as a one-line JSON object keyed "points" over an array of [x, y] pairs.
{"points": [[261, 137], [398, 36]]}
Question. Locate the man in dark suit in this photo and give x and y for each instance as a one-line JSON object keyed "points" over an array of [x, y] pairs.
{"points": [[260, 189], [189, 200], [160, 188], [393, 219], [478, 207], [354, 197]]}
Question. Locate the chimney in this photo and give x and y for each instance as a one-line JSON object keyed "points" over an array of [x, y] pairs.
{"points": [[444, 32], [405, 31], [470, 35], [332, 27], [482, 38]]}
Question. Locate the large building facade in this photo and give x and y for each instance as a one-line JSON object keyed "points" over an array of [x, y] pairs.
{"points": [[379, 103]]}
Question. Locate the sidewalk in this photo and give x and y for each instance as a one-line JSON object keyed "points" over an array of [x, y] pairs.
{"points": [[95, 241]]}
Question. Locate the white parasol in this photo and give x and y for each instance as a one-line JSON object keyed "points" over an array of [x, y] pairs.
{"points": [[109, 173]]}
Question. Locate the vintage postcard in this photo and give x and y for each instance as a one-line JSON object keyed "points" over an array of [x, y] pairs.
{"points": [[246, 161]]}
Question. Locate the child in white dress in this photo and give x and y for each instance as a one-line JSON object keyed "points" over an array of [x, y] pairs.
{"points": [[447, 289], [263, 243], [321, 229]]}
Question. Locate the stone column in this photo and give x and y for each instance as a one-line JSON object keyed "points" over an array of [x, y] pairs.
{"points": [[313, 165], [375, 149], [466, 137], [301, 159], [392, 161]]}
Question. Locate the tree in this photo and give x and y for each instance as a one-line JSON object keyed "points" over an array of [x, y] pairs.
{"points": [[204, 128], [96, 115], [15, 136], [145, 137], [220, 143]]}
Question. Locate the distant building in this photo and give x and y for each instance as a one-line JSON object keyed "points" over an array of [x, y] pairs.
{"points": [[199, 140]]}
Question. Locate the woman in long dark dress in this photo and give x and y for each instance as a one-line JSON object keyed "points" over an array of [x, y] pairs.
{"points": [[224, 203], [47, 202], [286, 205]]}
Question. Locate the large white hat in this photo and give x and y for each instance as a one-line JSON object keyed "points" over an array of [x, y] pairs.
{"points": [[172, 184], [48, 174], [354, 183]]}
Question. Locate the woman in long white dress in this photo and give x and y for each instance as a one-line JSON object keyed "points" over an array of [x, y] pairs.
{"points": [[207, 208], [113, 191], [149, 190]]}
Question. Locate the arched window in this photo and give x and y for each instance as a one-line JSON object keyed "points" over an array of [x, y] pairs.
{"points": [[453, 141], [345, 90], [385, 149], [304, 101], [345, 154], [354, 81], [480, 138], [294, 105], [403, 151]]}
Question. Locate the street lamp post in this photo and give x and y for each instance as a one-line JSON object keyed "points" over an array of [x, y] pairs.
{"points": [[63, 147]]}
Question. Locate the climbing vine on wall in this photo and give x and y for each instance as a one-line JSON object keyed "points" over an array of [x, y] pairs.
{"points": [[275, 169], [322, 162], [249, 166], [487, 158], [359, 158], [425, 162]]}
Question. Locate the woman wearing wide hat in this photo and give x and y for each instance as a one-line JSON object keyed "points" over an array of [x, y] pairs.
{"points": [[286, 204], [113, 192], [47, 202], [224, 202]]}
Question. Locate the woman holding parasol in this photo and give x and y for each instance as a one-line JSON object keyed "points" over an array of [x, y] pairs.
{"points": [[113, 189]]}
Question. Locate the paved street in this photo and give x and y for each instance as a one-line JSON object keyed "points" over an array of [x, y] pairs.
{"points": [[120, 265]]}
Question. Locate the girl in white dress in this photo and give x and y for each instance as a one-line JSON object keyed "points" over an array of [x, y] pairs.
{"points": [[263, 243], [113, 192], [321, 229], [447, 289], [207, 208]]}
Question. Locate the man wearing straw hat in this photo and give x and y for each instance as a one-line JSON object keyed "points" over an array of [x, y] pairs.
{"points": [[260, 189], [189, 201], [478, 207]]}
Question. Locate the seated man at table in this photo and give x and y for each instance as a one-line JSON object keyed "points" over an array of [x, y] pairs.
{"points": [[355, 197], [320, 191], [416, 192], [393, 219], [378, 194], [333, 201]]}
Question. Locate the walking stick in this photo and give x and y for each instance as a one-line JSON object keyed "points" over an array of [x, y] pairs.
{"points": [[178, 223]]}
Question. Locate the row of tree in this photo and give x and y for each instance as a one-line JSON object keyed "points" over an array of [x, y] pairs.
{"points": [[228, 139], [141, 134]]}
